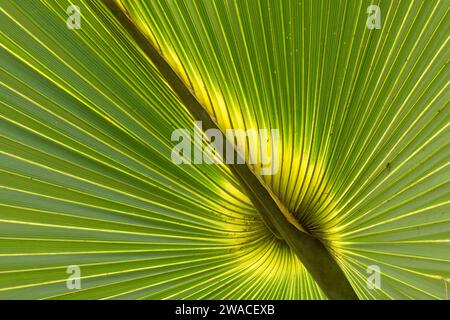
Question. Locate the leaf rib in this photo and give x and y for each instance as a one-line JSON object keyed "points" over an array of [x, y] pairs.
{"points": [[311, 251]]}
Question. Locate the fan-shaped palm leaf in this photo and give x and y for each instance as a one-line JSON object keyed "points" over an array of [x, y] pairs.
{"points": [[85, 149]]}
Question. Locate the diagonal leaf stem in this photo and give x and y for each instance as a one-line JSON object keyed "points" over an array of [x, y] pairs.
{"points": [[311, 251]]}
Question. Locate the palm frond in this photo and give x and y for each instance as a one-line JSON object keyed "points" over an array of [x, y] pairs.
{"points": [[86, 174]]}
